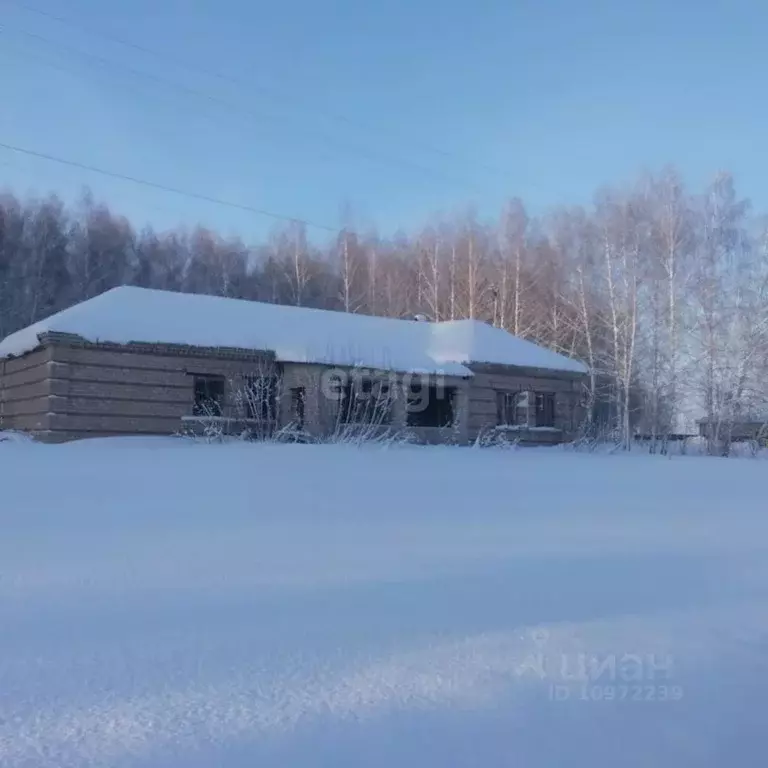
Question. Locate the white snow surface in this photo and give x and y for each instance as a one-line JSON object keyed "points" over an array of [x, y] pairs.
{"points": [[167, 604], [296, 334], [470, 341]]}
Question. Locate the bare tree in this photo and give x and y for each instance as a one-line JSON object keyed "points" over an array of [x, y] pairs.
{"points": [[575, 239], [160, 260], [666, 276], [351, 271], [12, 223], [430, 278], [722, 351], [101, 251], [44, 264], [293, 253], [471, 258], [621, 242], [510, 292]]}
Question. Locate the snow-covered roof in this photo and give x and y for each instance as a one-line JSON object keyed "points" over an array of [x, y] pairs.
{"points": [[470, 341], [295, 334]]}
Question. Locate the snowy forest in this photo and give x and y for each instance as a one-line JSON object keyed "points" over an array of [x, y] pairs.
{"points": [[662, 291]]}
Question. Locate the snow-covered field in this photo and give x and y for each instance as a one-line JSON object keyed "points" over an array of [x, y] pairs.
{"points": [[170, 604]]}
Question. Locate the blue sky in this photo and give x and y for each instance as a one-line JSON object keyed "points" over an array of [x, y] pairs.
{"points": [[395, 110]]}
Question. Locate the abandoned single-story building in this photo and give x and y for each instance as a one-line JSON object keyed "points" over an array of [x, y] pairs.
{"points": [[138, 361], [752, 426]]}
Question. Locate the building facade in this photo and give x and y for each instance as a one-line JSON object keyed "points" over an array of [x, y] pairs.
{"points": [[63, 386]]}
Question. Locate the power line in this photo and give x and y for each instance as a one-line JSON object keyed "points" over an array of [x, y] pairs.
{"points": [[162, 56], [244, 112], [166, 188], [225, 77]]}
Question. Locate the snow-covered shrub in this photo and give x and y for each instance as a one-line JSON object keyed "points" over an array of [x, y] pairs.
{"points": [[496, 438], [249, 412], [355, 410], [208, 426], [365, 416], [596, 437], [256, 399], [290, 433]]}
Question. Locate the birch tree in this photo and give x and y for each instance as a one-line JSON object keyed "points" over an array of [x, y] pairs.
{"points": [[352, 280], [574, 235], [509, 285], [101, 253], [430, 261], [620, 243], [12, 222], [667, 279], [296, 261], [722, 351], [45, 277]]}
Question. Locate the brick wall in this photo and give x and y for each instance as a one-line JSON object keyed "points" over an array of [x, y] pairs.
{"points": [[71, 388], [25, 391], [491, 379], [108, 389]]}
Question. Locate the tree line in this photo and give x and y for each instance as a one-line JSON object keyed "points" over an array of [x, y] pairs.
{"points": [[662, 291]]}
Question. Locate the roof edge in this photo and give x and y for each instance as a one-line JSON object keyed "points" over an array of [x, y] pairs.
{"points": [[531, 371]]}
